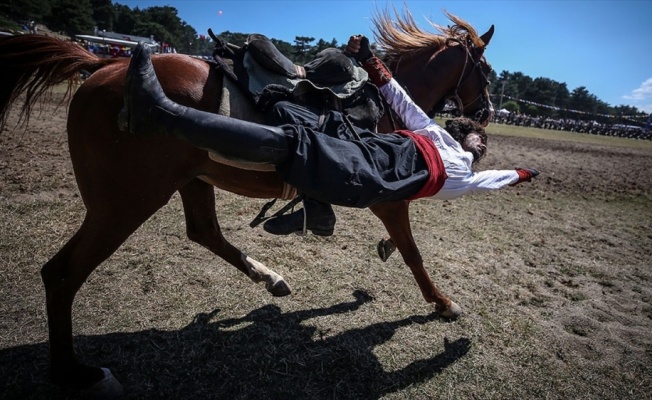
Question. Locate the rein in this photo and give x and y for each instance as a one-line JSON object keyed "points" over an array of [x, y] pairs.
{"points": [[476, 66]]}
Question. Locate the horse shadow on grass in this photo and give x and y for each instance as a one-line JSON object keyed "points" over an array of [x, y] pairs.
{"points": [[266, 354]]}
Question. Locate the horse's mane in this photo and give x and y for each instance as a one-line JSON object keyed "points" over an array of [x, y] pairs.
{"points": [[402, 36]]}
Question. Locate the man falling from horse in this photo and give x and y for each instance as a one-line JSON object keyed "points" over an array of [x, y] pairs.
{"points": [[333, 166]]}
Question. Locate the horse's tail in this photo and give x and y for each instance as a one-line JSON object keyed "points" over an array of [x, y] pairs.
{"points": [[32, 64]]}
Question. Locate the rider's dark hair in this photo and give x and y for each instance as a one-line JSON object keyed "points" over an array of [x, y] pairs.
{"points": [[460, 127]]}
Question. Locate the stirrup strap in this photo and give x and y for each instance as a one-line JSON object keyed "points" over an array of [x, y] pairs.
{"points": [[261, 215]]}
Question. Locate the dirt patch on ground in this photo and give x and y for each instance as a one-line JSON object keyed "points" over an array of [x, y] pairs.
{"points": [[554, 277]]}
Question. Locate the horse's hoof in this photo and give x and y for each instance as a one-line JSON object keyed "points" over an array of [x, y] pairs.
{"points": [[385, 248], [280, 288], [107, 388], [452, 312]]}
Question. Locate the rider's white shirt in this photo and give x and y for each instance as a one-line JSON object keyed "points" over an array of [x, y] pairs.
{"points": [[461, 178]]}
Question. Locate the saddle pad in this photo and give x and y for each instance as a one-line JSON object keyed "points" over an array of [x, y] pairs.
{"points": [[234, 104]]}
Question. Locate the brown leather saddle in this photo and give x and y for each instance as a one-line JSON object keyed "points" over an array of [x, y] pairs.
{"points": [[331, 81]]}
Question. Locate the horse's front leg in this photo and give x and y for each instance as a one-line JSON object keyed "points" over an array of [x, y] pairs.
{"points": [[395, 216], [202, 227]]}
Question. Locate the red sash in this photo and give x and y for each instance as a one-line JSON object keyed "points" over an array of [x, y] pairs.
{"points": [[437, 172]]}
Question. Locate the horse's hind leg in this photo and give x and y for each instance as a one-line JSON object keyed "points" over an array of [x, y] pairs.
{"points": [[99, 236], [203, 228]]}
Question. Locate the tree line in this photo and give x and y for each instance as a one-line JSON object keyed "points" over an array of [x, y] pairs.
{"points": [[513, 91], [74, 17], [545, 97]]}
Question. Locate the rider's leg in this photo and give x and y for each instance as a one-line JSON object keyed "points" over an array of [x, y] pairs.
{"points": [[320, 218], [148, 110]]}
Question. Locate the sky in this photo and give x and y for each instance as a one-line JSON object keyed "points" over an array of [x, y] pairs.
{"points": [[602, 45]]}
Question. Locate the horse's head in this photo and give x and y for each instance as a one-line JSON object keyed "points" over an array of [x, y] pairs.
{"points": [[437, 68], [471, 92]]}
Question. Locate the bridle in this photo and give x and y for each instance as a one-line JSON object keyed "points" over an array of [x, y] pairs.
{"points": [[485, 112]]}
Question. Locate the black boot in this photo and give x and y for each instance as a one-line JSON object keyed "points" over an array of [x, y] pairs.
{"points": [[320, 220], [147, 110]]}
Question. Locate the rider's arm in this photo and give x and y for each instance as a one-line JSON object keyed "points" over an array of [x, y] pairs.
{"points": [[479, 182], [458, 185], [412, 116]]}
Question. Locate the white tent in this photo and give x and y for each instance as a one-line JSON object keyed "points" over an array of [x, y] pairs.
{"points": [[503, 112]]}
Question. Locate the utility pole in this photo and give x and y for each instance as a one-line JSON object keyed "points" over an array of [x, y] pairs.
{"points": [[502, 93]]}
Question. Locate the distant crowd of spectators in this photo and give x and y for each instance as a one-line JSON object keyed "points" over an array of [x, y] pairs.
{"points": [[573, 125], [107, 50]]}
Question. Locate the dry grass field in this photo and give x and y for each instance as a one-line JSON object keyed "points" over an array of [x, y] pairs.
{"points": [[554, 277]]}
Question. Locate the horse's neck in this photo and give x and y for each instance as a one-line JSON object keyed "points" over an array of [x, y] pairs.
{"points": [[429, 94]]}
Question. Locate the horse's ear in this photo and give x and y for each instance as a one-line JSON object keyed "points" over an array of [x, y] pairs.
{"points": [[487, 36]]}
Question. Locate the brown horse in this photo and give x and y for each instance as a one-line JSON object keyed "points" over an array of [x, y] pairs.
{"points": [[124, 179]]}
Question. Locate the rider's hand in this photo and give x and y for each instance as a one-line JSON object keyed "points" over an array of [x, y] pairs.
{"points": [[359, 48], [525, 175]]}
